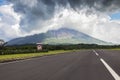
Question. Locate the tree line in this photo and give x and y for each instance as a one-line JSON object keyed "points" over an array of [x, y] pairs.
{"points": [[32, 48]]}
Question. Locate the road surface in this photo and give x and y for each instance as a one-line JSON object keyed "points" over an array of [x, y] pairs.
{"points": [[82, 65]]}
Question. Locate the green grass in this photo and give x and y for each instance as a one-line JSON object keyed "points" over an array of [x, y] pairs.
{"points": [[4, 58], [115, 48]]}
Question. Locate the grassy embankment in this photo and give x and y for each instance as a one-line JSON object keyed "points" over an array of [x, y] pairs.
{"points": [[12, 57]]}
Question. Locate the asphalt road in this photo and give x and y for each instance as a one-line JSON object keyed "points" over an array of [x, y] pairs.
{"points": [[82, 65]]}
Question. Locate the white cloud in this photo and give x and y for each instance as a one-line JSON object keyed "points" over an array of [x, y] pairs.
{"points": [[98, 25], [9, 22], [108, 31]]}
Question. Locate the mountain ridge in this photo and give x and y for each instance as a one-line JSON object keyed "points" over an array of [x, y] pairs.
{"points": [[60, 36]]}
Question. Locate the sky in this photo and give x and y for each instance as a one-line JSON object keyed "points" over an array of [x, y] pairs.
{"points": [[97, 18]]}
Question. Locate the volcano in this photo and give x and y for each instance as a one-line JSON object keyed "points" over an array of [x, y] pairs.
{"points": [[60, 36]]}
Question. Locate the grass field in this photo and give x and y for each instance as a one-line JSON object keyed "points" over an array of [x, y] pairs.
{"points": [[12, 57]]}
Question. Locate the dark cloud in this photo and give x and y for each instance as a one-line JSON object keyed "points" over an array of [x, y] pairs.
{"points": [[44, 9]]}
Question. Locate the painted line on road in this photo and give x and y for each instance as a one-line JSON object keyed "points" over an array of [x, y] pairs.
{"points": [[95, 52], [113, 73]]}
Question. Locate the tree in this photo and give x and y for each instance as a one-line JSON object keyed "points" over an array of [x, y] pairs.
{"points": [[2, 44]]}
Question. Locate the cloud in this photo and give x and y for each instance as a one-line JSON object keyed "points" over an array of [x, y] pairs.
{"points": [[9, 22], [38, 11], [108, 31], [98, 25], [28, 17]]}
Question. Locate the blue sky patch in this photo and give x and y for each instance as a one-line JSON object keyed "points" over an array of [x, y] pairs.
{"points": [[115, 16], [3, 2], [1, 14]]}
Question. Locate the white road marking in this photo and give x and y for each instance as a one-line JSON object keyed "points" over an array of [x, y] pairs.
{"points": [[113, 73], [95, 52]]}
